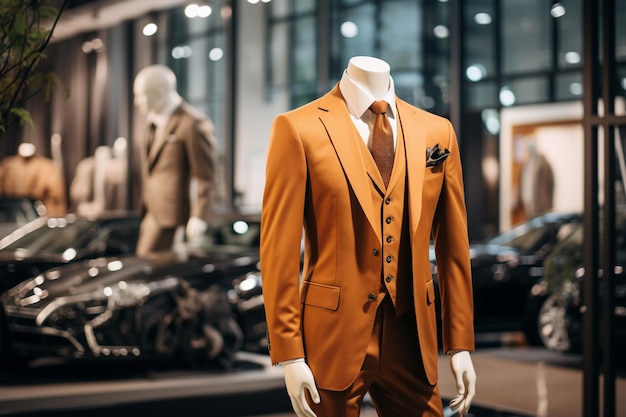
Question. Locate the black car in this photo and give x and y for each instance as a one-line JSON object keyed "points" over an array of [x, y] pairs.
{"points": [[505, 269], [16, 212], [199, 305], [560, 294], [47, 242]]}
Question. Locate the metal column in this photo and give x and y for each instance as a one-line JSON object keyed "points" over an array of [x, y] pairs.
{"points": [[599, 121]]}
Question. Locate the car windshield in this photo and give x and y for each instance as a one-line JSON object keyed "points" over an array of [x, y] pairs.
{"points": [[50, 236], [532, 234]]}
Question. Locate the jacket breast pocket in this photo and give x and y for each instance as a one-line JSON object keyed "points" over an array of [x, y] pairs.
{"points": [[320, 295]]}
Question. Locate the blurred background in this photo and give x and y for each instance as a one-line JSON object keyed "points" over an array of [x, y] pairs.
{"points": [[534, 88]]}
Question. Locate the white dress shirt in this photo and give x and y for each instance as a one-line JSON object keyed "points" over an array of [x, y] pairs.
{"points": [[358, 101]]}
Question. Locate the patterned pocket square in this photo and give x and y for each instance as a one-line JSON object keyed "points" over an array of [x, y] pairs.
{"points": [[435, 156]]}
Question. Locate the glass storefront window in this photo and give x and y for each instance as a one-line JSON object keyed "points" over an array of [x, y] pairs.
{"points": [[196, 51], [569, 86], [525, 91], [480, 25], [525, 36], [569, 33]]}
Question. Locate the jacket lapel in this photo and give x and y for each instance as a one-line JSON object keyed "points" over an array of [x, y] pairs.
{"points": [[161, 139], [414, 132], [344, 137]]}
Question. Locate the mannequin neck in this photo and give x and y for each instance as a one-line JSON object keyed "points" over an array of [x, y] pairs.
{"points": [[370, 73], [170, 105]]}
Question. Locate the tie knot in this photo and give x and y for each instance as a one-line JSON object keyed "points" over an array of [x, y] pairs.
{"points": [[379, 107]]}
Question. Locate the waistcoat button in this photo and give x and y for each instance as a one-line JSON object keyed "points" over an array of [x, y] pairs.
{"points": [[388, 200], [389, 259], [388, 278], [389, 239], [371, 297], [388, 219]]}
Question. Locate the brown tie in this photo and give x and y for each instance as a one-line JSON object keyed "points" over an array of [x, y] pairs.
{"points": [[150, 137], [382, 140]]}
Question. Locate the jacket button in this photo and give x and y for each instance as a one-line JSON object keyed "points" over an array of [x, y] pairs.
{"points": [[371, 297], [389, 259], [388, 220], [375, 252], [389, 239], [388, 278]]}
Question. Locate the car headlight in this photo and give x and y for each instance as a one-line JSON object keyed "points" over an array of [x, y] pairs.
{"points": [[95, 306], [247, 292]]}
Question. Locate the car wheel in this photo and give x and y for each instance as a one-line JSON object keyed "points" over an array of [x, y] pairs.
{"points": [[553, 324]]}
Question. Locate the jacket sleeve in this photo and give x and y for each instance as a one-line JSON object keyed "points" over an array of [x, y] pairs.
{"points": [[281, 233], [452, 250], [201, 152]]}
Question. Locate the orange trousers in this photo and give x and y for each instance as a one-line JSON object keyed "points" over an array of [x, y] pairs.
{"points": [[392, 372]]}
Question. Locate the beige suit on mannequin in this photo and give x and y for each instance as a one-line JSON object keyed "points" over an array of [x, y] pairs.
{"points": [[178, 165], [351, 325]]}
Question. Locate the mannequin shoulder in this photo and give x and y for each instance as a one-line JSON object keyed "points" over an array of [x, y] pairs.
{"points": [[406, 108]]}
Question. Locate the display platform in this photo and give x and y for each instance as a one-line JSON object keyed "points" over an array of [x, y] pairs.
{"points": [[58, 389]]}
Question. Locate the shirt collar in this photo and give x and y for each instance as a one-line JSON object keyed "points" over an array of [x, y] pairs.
{"points": [[359, 100]]}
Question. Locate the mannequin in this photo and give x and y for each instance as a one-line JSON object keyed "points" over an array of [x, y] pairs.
{"points": [[99, 184], [28, 174], [181, 154], [536, 182], [318, 331]]}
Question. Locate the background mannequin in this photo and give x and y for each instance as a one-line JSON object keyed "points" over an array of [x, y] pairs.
{"points": [[28, 174], [100, 180], [372, 76], [178, 165]]}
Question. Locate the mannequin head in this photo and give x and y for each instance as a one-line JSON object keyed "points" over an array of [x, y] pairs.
{"points": [[102, 153], [119, 147], [154, 89], [370, 73], [26, 150]]}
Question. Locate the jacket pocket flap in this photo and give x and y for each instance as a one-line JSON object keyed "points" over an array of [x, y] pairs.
{"points": [[430, 292], [320, 295]]}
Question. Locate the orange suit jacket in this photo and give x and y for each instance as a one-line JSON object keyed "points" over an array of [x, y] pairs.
{"points": [[317, 177]]}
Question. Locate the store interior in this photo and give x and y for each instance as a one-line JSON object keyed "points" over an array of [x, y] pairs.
{"points": [[541, 129]]}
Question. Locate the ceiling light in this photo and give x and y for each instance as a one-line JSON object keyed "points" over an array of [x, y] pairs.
{"points": [[576, 89], [482, 18], [441, 31], [150, 29], [507, 98], [196, 10], [557, 10], [181, 52], [216, 54], [475, 72], [349, 29], [572, 57]]}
